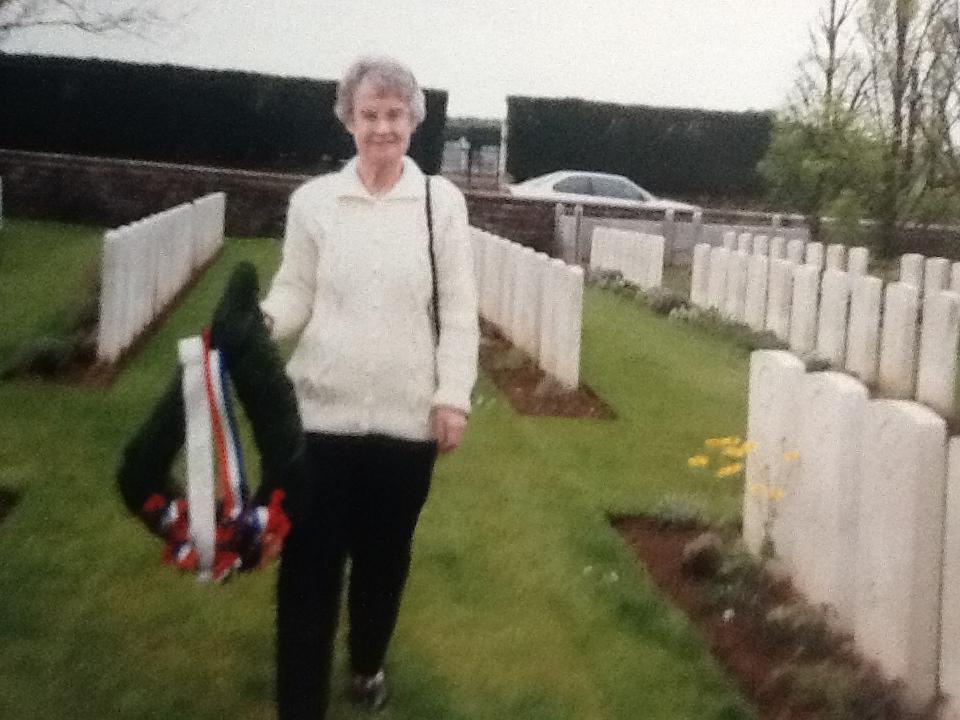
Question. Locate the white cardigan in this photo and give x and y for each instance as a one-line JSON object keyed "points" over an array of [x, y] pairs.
{"points": [[354, 281]]}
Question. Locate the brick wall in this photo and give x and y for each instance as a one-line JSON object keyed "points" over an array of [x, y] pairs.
{"points": [[528, 222], [111, 192]]}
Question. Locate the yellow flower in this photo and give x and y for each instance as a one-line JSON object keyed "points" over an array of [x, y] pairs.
{"points": [[748, 447], [776, 494], [714, 442], [698, 461], [791, 456], [728, 470], [734, 452]]}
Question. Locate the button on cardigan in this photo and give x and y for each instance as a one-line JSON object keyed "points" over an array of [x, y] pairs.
{"points": [[354, 281]]}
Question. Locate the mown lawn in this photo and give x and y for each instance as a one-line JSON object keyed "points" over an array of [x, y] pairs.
{"points": [[523, 603]]}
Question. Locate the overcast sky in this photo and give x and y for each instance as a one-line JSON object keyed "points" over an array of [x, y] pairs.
{"points": [[714, 54]]}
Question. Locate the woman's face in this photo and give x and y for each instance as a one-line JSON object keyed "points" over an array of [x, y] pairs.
{"points": [[381, 125]]}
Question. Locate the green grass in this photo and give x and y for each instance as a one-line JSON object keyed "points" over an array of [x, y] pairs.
{"points": [[523, 602], [45, 270]]}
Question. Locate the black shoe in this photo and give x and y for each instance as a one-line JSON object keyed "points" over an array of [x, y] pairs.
{"points": [[369, 691]]}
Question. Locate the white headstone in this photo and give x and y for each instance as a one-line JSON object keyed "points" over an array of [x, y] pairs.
{"points": [[777, 248], [832, 321], [936, 277], [730, 240], [527, 300], [950, 630], [780, 298], [717, 280], [864, 332], [898, 341], [755, 307], [955, 277], [803, 309], [771, 427], [635, 258], [814, 255], [490, 292], [111, 297], [911, 269], [744, 241], [858, 261], [700, 281], [761, 245], [500, 280], [569, 327], [541, 265], [598, 241], [898, 563], [795, 251], [832, 409], [836, 256], [937, 364], [552, 314], [509, 306], [736, 287], [654, 246]]}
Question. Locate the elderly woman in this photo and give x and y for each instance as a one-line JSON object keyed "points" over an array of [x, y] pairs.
{"points": [[369, 255]]}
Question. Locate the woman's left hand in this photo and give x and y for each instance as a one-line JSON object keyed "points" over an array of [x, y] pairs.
{"points": [[446, 426]]}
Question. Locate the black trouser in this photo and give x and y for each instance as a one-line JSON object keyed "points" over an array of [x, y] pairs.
{"points": [[362, 501]]}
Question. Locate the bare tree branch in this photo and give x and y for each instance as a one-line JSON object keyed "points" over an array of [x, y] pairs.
{"points": [[96, 17]]}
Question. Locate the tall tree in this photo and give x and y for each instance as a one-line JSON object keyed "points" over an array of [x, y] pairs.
{"points": [[911, 75], [872, 124], [820, 149]]}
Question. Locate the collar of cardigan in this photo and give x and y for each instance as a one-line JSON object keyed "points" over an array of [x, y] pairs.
{"points": [[409, 186]]}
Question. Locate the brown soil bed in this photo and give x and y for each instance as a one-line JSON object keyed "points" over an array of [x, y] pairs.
{"points": [[81, 366], [739, 639], [528, 389], [8, 499]]}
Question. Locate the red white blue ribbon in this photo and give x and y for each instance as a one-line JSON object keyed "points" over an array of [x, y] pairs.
{"points": [[210, 433]]}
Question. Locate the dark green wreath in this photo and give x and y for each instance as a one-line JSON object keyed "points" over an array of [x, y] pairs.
{"points": [[265, 393]]}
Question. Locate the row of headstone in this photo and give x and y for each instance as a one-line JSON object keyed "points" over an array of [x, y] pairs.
{"points": [[145, 264], [535, 301], [1, 203], [903, 339], [709, 287], [864, 514], [638, 257]]}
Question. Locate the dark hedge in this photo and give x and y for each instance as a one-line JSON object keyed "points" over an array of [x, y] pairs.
{"points": [[184, 115], [666, 150]]}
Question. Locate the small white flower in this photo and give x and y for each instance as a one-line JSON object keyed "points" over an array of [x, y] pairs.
{"points": [[612, 577], [728, 614], [588, 570]]}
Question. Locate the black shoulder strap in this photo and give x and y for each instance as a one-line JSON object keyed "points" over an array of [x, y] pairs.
{"points": [[433, 265]]}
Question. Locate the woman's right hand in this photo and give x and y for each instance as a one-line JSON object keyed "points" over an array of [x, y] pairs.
{"points": [[447, 426]]}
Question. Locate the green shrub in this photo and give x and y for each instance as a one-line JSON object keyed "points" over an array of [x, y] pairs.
{"points": [[46, 356], [837, 691], [800, 625], [664, 302], [677, 511]]}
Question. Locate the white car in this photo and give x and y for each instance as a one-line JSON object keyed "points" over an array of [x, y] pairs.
{"points": [[571, 186]]}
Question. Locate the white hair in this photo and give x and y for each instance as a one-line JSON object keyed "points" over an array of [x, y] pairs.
{"points": [[385, 74]]}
